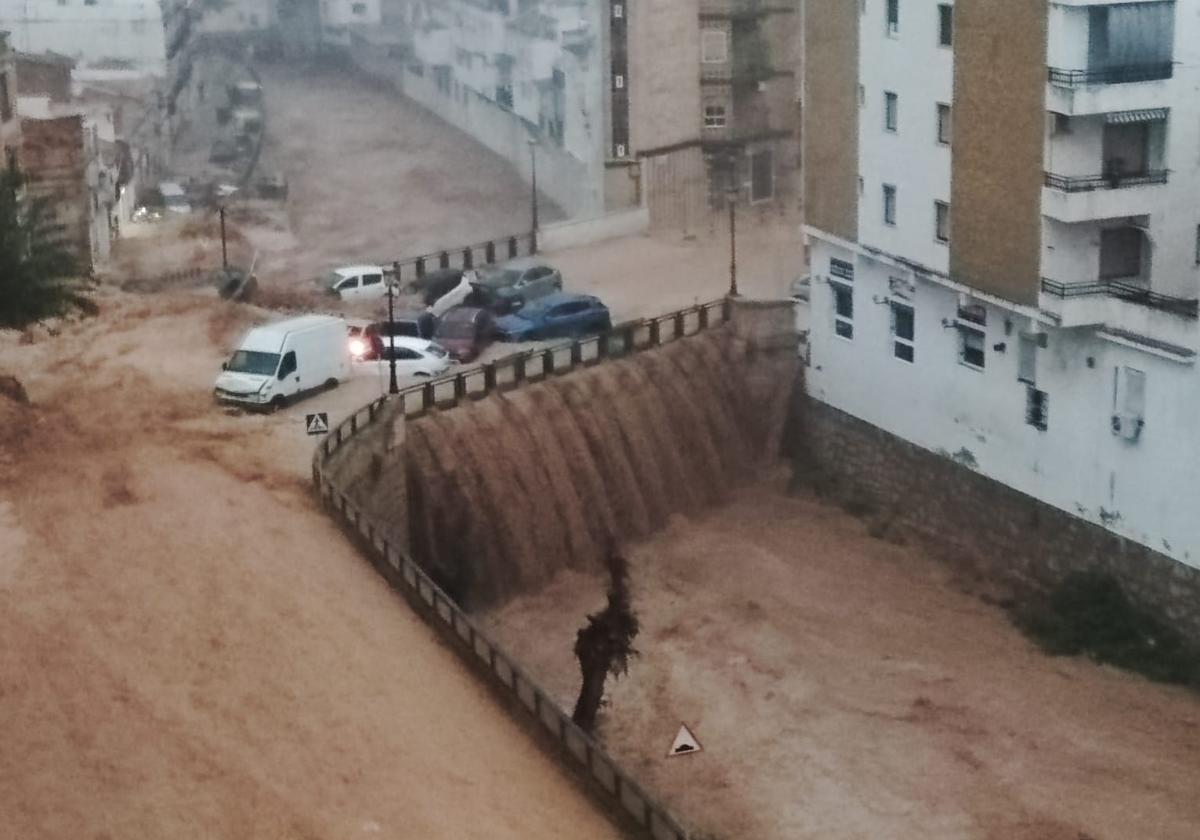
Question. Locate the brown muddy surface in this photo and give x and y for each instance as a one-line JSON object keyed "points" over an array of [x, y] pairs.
{"points": [[844, 687], [189, 648]]}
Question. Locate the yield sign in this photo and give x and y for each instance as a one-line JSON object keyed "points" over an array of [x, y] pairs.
{"points": [[685, 742]]}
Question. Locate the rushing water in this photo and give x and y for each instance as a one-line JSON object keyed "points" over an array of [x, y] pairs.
{"points": [[504, 491]]}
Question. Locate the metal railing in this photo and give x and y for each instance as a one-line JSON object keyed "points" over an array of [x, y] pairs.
{"points": [[1185, 307], [1114, 181], [469, 256], [1123, 74], [624, 796]]}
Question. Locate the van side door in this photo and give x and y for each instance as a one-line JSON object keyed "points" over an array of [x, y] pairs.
{"points": [[289, 375]]}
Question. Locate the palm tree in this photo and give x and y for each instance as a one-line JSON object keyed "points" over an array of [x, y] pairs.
{"points": [[605, 645], [39, 276]]}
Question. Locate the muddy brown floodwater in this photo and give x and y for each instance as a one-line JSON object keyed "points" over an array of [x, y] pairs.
{"points": [[373, 176], [189, 648], [844, 687]]}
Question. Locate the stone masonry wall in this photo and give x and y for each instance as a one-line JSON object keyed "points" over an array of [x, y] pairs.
{"points": [[975, 522]]}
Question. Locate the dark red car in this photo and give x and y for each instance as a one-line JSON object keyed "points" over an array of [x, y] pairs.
{"points": [[465, 332]]}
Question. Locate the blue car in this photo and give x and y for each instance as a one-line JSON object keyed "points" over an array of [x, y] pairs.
{"points": [[559, 315]]}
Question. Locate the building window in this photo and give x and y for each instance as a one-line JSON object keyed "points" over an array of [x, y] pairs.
{"points": [[890, 106], [946, 25], [762, 175], [714, 46], [903, 332], [1037, 408], [358, 8], [862, 96], [1197, 244], [714, 116], [843, 309], [944, 124], [889, 204], [971, 347], [893, 16], [941, 216]]}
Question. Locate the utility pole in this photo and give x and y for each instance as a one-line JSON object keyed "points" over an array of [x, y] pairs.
{"points": [[393, 385], [731, 195], [224, 251], [533, 197]]}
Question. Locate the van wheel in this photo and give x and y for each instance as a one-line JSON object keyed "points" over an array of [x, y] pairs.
{"points": [[330, 384], [277, 402]]}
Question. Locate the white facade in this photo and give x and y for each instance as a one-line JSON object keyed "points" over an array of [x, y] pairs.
{"points": [[336, 13], [1086, 401], [131, 33], [910, 158]]}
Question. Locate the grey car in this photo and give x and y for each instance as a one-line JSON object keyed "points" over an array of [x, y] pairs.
{"points": [[510, 286]]}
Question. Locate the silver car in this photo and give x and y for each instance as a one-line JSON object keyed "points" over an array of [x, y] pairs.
{"points": [[514, 283]]}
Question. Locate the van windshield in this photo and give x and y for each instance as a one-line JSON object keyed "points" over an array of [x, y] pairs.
{"points": [[254, 361]]}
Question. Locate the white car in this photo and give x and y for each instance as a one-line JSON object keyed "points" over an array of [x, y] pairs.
{"points": [[357, 282], [415, 357]]}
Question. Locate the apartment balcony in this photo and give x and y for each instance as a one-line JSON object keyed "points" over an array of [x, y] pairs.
{"points": [[1082, 198], [1121, 88], [1131, 312], [734, 9], [749, 71]]}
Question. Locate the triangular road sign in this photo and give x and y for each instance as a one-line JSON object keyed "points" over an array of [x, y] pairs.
{"points": [[685, 743], [316, 424]]}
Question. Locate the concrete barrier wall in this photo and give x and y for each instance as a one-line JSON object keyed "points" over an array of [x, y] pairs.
{"points": [[1001, 535], [578, 232], [572, 184]]}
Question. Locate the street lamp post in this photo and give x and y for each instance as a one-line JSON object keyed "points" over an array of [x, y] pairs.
{"points": [[393, 385], [224, 251], [533, 196], [731, 196]]}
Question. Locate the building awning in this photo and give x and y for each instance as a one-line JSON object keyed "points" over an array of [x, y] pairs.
{"points": [[1143, 115]]}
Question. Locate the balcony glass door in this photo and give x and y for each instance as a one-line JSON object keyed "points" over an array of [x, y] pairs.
{"points": [[1130, 35]]}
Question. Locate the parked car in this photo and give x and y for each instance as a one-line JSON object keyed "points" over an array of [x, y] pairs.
{"points": [[443, 296], [175, 199], [506, 288], [356, 282], [278, 362], [369, 342], [559, 315], [414, 357], [433, 284], [466, 331]]}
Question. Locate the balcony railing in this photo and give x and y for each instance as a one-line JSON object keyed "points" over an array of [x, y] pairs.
{"points": [[1090, 183], [1124, 74], [739, 72], [1185, 307], [732, 9]]}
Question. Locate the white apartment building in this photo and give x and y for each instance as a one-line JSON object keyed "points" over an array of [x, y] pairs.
{"points": [[1004, 243], [140, 35]]}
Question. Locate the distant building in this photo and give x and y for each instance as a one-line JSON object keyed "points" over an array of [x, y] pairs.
{"points": [[70, 153], [1005, 243], [10, 123]]}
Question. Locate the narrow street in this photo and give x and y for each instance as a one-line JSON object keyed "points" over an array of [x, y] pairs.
{"points": [[374, 177]]}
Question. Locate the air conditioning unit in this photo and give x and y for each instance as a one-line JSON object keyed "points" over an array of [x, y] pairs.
{"points": [[1127, 426]]}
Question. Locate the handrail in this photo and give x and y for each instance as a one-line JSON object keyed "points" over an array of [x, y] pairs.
{"points": [[465, 257], [1110, 181], [1185, 307], [615, 785], [1126, 73]]}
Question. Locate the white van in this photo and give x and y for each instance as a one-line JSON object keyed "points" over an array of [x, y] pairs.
{"points": [[281, 361], [357, 282]]}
